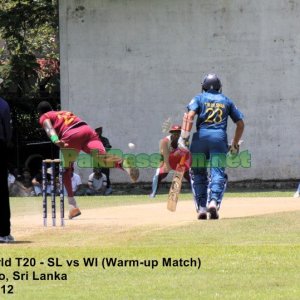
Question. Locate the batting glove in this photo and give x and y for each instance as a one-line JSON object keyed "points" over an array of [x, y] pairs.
{"points": [[183, 143], [234, 150]]}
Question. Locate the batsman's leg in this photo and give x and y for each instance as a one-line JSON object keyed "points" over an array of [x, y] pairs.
{"points": [[224, 190], [199, 183], [217, 186]]}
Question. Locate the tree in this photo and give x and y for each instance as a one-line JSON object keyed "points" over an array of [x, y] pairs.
{"points": [[29, 61], [29, 29]]}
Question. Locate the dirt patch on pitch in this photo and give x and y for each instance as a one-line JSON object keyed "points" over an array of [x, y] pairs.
{"points": [[156, 214]]}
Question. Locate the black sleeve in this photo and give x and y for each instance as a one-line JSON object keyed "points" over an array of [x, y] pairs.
{"points": [[105, 142]]}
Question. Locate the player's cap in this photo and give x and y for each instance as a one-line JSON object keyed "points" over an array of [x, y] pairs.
{"points": [[175, 128]]}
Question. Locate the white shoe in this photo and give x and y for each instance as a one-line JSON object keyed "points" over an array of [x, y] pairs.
{"points": [[202, 213], [297, 195], [7, 239], [213, 210]]}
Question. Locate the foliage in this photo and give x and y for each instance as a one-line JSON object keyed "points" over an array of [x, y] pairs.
{"points": [[29, 29], [29, 60]]}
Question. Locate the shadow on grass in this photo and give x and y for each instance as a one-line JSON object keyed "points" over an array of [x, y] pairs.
{"points": [[17, 243]]}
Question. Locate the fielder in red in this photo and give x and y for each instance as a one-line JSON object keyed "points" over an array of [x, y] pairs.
{"points": [[171, 156], [67, 130]]}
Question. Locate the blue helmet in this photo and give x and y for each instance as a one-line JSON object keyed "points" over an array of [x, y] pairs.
{"points": [[211, 82]]}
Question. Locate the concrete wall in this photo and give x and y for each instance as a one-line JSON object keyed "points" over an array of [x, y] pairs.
{"points": [[130, 64]]}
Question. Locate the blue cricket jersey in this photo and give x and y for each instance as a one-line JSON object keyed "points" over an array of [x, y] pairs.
{"points": [[5, 121], [213, 109]]}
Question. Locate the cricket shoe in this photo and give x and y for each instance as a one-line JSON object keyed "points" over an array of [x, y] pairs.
{"points": [[296, 195], [133, 173], [213, 210], [7, 239], [202, 215], [74, 212]]}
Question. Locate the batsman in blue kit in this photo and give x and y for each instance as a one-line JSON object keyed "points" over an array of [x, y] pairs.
{"points": [[213, 109]]}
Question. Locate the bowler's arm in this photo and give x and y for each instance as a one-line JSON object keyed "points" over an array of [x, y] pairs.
{"points": [[52, 134]]}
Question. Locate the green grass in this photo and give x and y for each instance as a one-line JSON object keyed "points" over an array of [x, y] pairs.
{"points": [[19, 203], [242, 258], [260, 193]]}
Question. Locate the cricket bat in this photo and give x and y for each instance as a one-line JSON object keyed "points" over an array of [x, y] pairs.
{"points": [[176, 185]]}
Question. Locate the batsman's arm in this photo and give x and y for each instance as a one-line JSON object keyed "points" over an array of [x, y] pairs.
{"points": [[187, 124], [47, 125], [234, 147], [238, 133]]}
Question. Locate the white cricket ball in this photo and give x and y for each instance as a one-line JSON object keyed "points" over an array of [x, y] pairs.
{"points": [[131, 145]]}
